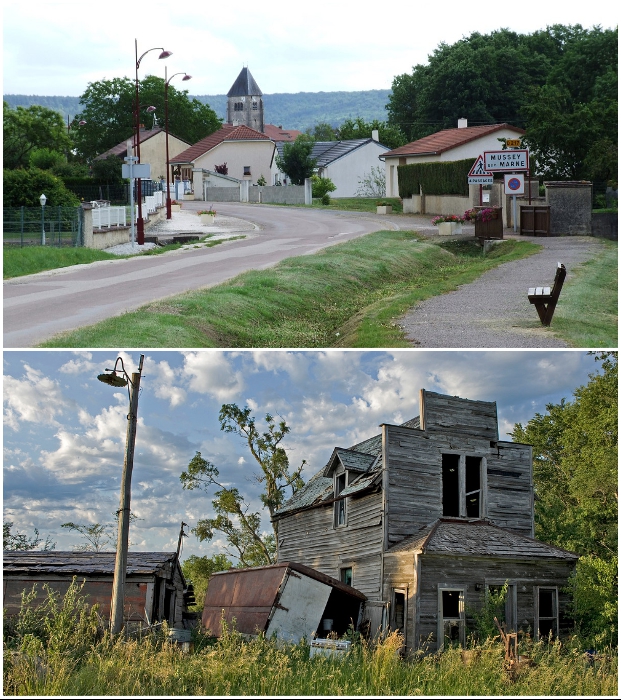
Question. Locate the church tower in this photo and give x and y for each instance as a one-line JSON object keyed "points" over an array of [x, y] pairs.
{"points": [[245, 102]]}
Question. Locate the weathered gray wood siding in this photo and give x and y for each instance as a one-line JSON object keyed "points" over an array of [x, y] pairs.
{"points": [[510, 487], [400, 572], [451, 414], [413, 481], [310, 538], [466, 572]]}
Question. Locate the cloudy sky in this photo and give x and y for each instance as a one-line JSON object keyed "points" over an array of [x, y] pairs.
{"points": [[57, 47], [64, 432]]}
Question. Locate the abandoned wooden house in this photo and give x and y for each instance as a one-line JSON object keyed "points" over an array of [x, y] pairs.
{"points": [[425, 518], [155, 589]]}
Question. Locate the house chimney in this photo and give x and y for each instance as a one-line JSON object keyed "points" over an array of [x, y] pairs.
{"points": [[462, 123], [375, 134]]}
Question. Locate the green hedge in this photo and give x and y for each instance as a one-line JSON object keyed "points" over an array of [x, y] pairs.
{"points": [[450, 177], [22, 188]]}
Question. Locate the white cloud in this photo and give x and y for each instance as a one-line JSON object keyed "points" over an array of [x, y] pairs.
{"points": [[81, 365], [163, 378], [212, 373], [34, 398]]}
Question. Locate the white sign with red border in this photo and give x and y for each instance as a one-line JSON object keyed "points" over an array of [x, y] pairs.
{"points": [[514, 184], [478, 175], [499, 161]]}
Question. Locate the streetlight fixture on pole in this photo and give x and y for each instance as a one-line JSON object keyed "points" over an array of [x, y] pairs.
{"points": [[119, 378], [164, 54], [166, 82], [43, 200]]}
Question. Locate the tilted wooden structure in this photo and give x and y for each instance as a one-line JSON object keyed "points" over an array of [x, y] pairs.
{"points": [[424, 519]]}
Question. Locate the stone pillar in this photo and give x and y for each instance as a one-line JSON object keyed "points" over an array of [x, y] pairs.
{"points": [[308, 191], [197, 183], [570, 207], [244, 191], [87, 230]]}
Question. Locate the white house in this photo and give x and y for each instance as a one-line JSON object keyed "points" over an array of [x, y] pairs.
{"points": [[446, 145], [343, 162], [248, 155]]}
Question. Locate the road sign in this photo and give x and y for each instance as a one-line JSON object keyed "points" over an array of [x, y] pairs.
{"points": [[514, 184], [514, 143], [142, 171], [499, 161], [478, 175]]}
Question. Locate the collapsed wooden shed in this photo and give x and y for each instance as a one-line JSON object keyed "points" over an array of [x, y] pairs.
{"points": [[287, 599], [425, 519], [155, 589]]}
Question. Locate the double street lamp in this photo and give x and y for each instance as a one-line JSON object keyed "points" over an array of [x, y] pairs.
{"points": [[163, 54], [166, 83], [120, 378]]}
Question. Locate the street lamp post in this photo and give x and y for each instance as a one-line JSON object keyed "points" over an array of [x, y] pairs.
{"points": [[122, 542], [43, 200], [166, 82], [163, 54]]}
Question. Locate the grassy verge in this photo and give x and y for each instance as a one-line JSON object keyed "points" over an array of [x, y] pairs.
{"points": [[30, 259], [351, 291], [360, 204], [587, 312]]}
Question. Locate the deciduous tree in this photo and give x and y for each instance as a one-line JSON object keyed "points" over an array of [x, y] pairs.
{"points": [[19, 541], [296, 161], [197, 570]]}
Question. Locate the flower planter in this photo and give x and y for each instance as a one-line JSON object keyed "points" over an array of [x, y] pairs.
{"points": [[387, 209], [490, 229], [175, 207], [188, 197], [207, 219], [449, 228]]}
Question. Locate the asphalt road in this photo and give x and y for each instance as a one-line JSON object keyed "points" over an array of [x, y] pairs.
{"points": [[39, 306]]}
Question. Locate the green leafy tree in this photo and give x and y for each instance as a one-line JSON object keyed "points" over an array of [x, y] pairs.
{"points": [[576, 486], [28, 128], [358, 128], [19, 541], [107, 170], [322, 132], [198, 570], [232, 514], [108, 109], [322, 186], [98, 536], [45, 158], [373, 183], [297, 162], [24, 187]]}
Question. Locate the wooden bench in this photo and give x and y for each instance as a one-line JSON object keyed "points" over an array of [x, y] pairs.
{"points": [[545, 299]]}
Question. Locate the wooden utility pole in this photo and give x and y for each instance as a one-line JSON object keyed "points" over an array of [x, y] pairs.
{"points": [[122, 542]]}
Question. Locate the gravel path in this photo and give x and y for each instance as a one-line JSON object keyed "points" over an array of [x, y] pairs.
{"points": [[494, 311]]}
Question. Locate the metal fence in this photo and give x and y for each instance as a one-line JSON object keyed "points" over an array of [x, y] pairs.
{"points": [[52, 226]]}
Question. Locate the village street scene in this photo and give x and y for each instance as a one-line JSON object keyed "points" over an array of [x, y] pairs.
{"points": [[310, 353]]}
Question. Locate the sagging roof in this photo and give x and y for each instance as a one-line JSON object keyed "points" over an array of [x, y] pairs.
{"points": [[228, 132], [364, 459], [444, 140], [476, 538], [244, 85], [31, 563]]}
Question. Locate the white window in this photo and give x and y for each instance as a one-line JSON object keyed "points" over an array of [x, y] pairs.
{"points": [[546, 612], [451, 617], [340, 505]]}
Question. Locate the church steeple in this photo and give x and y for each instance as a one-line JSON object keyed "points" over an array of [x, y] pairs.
{"points": [[245, 102]]}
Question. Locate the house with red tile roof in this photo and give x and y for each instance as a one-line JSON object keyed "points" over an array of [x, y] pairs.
{"points": [[248, 154], [446, 145]]}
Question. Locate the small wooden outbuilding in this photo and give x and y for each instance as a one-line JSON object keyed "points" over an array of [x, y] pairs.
{"points": [[155, 589]]}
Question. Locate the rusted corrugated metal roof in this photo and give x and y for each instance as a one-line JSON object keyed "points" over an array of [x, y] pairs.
{"points": [[478, 538], [82, 563]]}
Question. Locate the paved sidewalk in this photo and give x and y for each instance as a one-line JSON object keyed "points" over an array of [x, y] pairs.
{"points": [[494, 311]]}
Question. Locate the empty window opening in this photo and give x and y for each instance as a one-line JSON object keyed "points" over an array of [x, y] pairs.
{"points": [[506, 611], [547, 622], [450, 485], [473, 487], [399, 611], [451, 627], [347, 576], [340, 507]]}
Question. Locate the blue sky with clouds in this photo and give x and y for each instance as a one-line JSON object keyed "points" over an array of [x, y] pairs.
{"points": [[57, 47], [64, 432]]}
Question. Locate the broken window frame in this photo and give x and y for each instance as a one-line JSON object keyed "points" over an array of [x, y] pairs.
{"points": [[343, 575], [399, 591], [511, 618], [444, 621], [340, 482], [553, 618], [462, 496]]}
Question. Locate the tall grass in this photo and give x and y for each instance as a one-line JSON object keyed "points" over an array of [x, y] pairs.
{"points": [[56, 650]]}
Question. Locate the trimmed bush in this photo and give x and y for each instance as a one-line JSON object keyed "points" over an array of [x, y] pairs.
{"points": [[22, 188], [435, 178]]}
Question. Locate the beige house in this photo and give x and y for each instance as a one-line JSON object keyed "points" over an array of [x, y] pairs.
{"points": [[446, 145], [248, 155], [152, 150]]}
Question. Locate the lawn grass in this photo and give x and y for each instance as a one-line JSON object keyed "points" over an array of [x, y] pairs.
{"points": [[587, 311], [349, 291], [360, 204], [31, 259]]}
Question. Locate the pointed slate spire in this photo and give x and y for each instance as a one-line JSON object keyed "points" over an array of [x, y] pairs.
{"points": [[244, 85]]}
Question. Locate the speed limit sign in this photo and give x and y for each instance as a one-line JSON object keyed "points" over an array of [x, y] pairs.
{"points": [[514, 184]]}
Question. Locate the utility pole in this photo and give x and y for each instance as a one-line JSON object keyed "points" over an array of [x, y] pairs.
{"points": [[122, 543]]}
